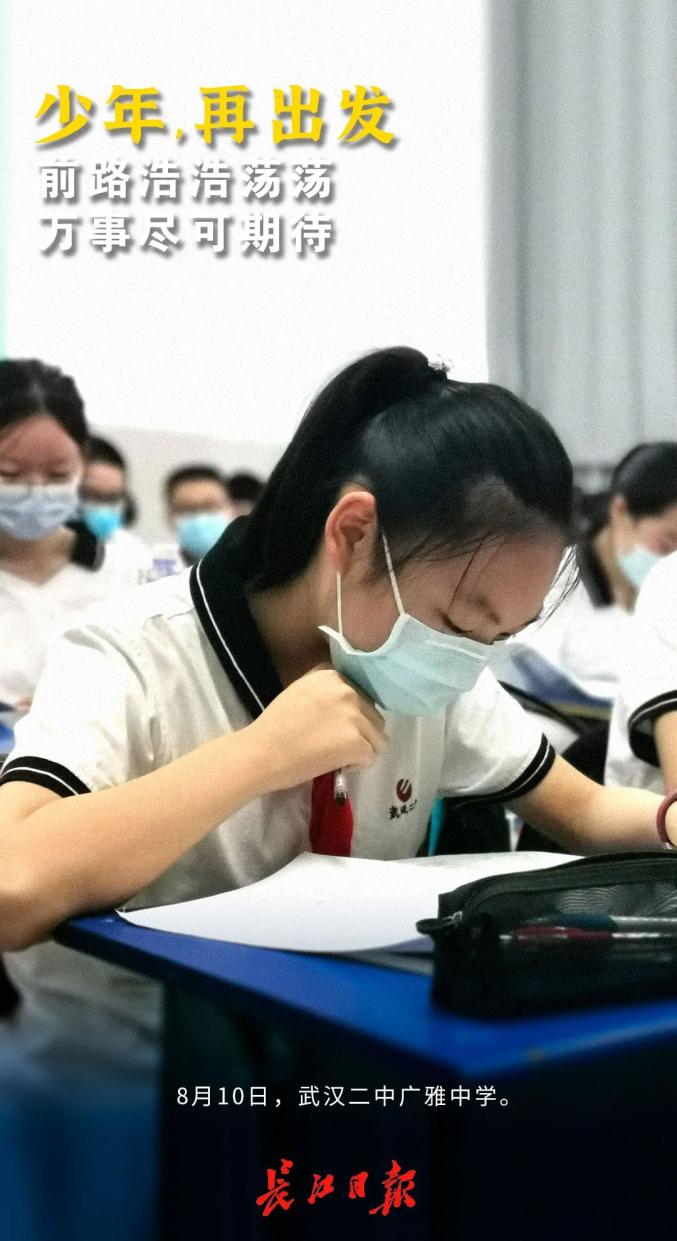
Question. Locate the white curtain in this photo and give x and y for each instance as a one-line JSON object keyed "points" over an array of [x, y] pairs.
{"points": [[583, 216]]}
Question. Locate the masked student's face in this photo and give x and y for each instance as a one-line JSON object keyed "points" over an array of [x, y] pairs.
{"points": [[37, 451], [486, 595], [639, 542], [103, 483], [657, 532]]}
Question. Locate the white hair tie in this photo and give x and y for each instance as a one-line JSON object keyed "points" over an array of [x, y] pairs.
{"points": [[438, 363]]}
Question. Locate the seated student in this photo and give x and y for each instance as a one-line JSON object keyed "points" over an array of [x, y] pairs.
{"points": [[584, 632], [106, 506], [643, 734], [243, 492], [412, 522], [51, 566], [198, 509]]}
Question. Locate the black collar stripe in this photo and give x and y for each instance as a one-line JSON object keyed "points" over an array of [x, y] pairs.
{"points": [[218, 591], [220, 638]]}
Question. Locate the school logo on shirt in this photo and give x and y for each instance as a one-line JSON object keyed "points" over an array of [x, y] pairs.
{"points": [[403, 791]]}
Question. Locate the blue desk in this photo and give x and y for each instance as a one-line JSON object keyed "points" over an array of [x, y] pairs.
{"points": [[592, 1097], [380, 1009]]}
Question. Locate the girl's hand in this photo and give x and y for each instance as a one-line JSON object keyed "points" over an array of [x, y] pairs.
{"points": [[317, 724]]}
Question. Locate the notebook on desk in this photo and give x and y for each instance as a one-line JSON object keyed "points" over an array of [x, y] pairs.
{"points": [[335, 905]]}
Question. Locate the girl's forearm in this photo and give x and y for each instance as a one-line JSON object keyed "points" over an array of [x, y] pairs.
{"points": [[96, 849]]}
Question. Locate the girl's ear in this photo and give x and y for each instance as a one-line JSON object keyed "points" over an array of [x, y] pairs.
{"points": [[619, 518], [618, 508], [350, 530]]}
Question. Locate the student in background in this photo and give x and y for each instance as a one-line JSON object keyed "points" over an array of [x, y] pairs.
{"points": [[243, 492], [198, 509], [51, 565], [637, 526], [106, 506], [583, 634], [643, 735]]}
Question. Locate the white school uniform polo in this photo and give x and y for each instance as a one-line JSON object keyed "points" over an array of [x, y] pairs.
{"points": [[647, 687], [180, 662], [33, 614], [130, 548]]}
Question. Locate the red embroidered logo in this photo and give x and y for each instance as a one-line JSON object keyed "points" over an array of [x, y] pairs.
{"points": [[403, 789]]}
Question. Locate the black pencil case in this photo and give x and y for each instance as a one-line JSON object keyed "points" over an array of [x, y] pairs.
{"points": [[596, 930]]}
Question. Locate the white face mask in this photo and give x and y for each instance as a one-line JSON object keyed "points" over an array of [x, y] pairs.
{"points": [[31, 511], [417, 670]]}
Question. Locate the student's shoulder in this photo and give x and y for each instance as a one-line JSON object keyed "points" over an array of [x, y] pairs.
{"points": [[124, 559], [127, 614], [129, 553], [658, 594], [125, 539]]}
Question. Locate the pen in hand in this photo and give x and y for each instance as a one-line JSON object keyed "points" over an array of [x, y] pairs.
{"points": [[340, 787]]}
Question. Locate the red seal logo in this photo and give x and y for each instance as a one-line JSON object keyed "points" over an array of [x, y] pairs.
{"points": [[403, 789]]}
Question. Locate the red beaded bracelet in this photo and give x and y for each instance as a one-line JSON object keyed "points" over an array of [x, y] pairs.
{"points": [[660, 820]]}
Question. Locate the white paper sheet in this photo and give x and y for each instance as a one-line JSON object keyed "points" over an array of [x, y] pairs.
{"points": [[335, 904]]}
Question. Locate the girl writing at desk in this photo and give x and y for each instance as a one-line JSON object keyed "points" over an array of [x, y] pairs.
{"points": [[182, 742], [584, 634]]}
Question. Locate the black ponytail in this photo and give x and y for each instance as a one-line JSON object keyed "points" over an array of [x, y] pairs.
{"points": [[449, 464]]}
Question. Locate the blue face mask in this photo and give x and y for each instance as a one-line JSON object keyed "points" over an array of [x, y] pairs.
{"points": [[637, 564], [32, 511], [198, 532], [417, 670], [102, 519]]}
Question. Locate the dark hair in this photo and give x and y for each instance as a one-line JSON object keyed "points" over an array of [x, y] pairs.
{"points": [[586, 510], [99, 449], [192, 474], [245, 488], [450, 465], [29, 387], [647, 478]]}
